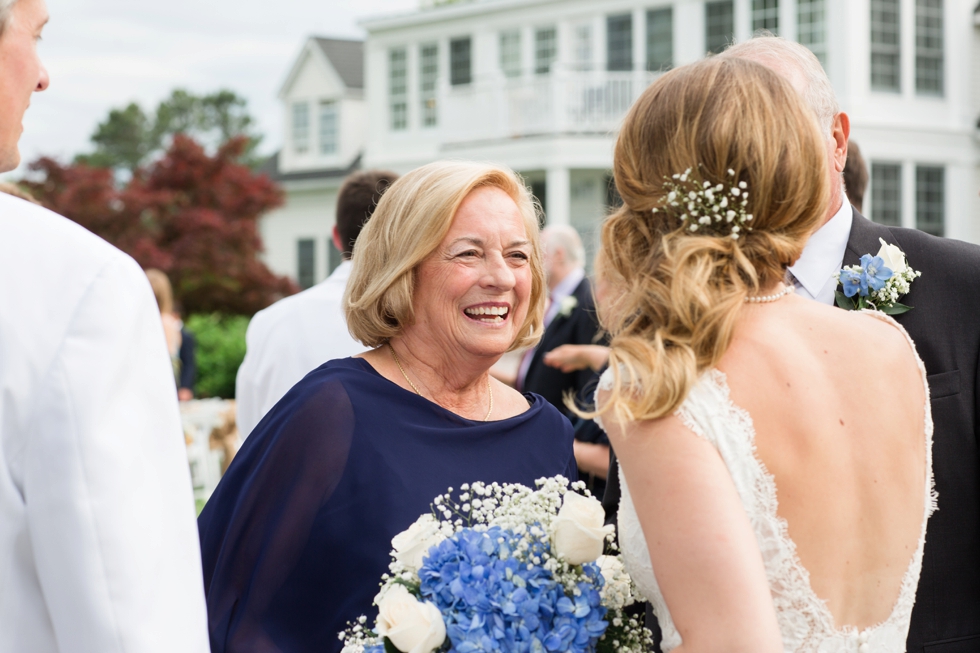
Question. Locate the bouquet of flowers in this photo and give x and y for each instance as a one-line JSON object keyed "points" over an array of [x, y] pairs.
{"points": [[878, 282], [504, 568]]}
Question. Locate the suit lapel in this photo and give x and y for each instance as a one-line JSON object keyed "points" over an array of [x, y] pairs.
{"points": [[864, 239]]}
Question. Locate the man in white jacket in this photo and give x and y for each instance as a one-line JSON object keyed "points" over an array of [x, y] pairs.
{"points": [[98, 544], [296, 335]]}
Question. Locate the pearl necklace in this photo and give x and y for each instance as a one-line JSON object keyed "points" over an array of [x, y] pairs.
{"points": [[766, 299], [419, 392]]}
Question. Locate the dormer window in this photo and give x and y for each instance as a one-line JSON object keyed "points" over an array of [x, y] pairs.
{"points": [[328, 127], [301, 127]]}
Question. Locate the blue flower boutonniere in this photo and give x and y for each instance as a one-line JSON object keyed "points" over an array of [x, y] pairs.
{"points": [[877, 282]]}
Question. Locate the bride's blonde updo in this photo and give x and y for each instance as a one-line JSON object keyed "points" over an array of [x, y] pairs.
{"points": [[673, 293]]}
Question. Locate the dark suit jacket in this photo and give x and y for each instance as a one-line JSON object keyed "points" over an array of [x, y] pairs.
{"points": [[945, 326], [578, 328]]}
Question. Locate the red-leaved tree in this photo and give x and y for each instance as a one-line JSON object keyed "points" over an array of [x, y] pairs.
{"points": [[192, 215]]}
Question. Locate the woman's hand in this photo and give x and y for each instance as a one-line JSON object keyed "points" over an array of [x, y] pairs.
{"points": [[572, 358], [592, 458]]}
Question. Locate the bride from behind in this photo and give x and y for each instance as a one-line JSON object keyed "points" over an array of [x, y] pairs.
{"points": [[775, 451]]}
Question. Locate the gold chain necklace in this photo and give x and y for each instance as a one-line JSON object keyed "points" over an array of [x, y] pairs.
{"points": [[419, 392]]}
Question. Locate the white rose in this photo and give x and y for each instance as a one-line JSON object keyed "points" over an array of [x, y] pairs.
{"points": [[893, 257], [411, 545], [611, 567], [577, 533], [616, 592], [411, 625]]}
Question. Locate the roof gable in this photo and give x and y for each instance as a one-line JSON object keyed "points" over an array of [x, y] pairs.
{"points": [[344, 59], [347, 58]]}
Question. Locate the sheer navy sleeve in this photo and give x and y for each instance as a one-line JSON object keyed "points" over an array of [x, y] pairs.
{"points": [[298, 533]]}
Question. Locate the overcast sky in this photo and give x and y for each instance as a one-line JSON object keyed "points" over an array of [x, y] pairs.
{"points": [[106, 53]]}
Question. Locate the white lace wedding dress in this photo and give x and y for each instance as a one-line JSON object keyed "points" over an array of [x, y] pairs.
{"points": [[805, 621]]}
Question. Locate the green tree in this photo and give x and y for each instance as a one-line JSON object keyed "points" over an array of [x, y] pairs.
{"points": [[130, 138]]}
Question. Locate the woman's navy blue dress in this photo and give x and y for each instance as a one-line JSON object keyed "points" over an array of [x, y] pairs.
{"points": [[296, 536]]}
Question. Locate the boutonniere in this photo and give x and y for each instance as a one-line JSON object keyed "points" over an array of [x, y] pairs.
{"points": [[878, 282], [567, 305]]}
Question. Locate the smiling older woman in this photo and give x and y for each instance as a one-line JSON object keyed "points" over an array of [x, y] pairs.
{"points": [[447, 277]]}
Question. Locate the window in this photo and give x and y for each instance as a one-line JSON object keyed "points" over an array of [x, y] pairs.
{"points": [[428, 78], [765, 15], [328, 128], [660, 39], [929, 47], [719, 25], [398, 88], [461, 61], [301, 127], [886, 194], [619, 42], [583, 47], [510, 53], [545, 49], [930, 199], [306, 262], [811, 27], [885, 47]]}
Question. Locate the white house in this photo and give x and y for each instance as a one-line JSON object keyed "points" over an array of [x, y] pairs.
{"points": [[323, 101], [542, 85]]}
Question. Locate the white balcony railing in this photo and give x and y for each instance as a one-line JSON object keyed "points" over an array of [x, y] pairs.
{"points": [[562, 102]]}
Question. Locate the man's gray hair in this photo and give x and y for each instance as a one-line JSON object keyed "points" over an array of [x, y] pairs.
{"points": [[6, 6], [768, 49], [567, 238]]}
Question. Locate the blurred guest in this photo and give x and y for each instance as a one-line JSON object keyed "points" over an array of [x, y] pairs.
{"points": [[188, 360], [570, 319], [297, 334], [164, 294], [98, 550], [17, 191], [447, 277], [855, 176]]}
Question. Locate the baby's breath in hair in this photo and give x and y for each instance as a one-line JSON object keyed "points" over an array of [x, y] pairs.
{"points": [[703, 208]]}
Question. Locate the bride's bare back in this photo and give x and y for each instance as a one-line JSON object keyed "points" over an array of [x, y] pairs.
{"points": [[838, 405]]}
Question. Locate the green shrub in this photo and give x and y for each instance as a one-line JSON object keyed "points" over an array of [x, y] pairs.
{"points": [[220, 350]]}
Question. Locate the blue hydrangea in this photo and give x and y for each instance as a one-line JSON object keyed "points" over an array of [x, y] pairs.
{"points": [[493, 602]]}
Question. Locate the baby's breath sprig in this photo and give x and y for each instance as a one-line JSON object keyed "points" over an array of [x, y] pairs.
{"points": [[703, 208]]}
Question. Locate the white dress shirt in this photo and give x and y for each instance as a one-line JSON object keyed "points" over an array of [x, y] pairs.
{"points": [[823, 256], [287, 341], [99, 549]]}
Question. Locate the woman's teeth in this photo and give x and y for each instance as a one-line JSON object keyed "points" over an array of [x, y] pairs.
{"points": [[487, 313]]}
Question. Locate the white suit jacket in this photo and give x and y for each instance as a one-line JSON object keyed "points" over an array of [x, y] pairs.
{"points": [[99, 549], [287, 341]]}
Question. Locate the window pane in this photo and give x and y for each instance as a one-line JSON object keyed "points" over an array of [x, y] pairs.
{"points": [[929, 47], [328, 127], [301, 127], [428, 78], [765, 15], [398, 88], [545, 49], [719, 25], [885, 46], [619, 42], [583, 47], [811, 27], [510, 53], [886, 194], [305, 262], [930, 199], [460, 61], [660, 39]]}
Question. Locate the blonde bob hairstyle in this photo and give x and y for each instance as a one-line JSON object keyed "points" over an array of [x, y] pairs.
{"points": [[676, 294], [411, 220]]}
